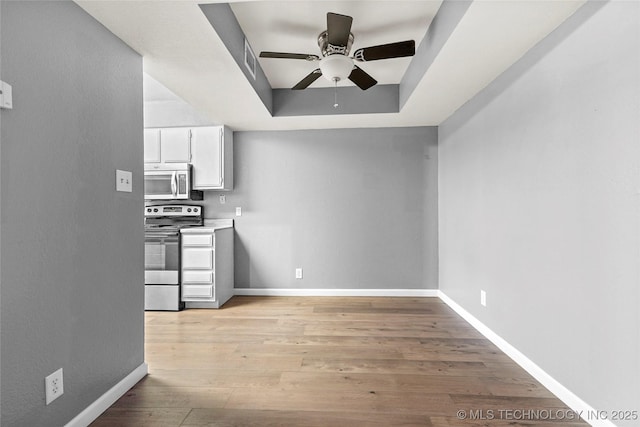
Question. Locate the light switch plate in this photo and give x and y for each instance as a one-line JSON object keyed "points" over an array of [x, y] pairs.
{"points": [[6, 99], [124, 181], [238, 211]]}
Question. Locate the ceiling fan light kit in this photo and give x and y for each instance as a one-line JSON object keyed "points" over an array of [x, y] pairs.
{"points": [[335, 64], [336, 67]]}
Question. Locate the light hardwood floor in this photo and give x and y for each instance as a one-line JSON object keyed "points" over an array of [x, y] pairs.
{"points": [[328, 361]]}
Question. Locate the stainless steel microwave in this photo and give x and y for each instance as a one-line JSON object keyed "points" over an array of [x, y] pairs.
{"points": [[169, 182]]}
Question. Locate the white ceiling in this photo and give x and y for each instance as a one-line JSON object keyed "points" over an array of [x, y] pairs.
{"points": [[182, 51]]}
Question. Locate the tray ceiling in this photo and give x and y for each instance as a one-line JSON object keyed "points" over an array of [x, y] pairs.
{"points": [[183, 52]]}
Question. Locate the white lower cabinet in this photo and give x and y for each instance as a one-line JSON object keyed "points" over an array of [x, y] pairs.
{"points": [[207, 267]]}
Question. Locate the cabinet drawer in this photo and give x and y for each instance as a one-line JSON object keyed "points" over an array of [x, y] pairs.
{"points": [[197, 239], [197, 291], [197, 277], [197, 258]]}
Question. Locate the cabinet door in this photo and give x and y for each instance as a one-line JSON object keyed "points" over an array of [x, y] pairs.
{"points": [[175, 145], [152, 145], [207, 150]]}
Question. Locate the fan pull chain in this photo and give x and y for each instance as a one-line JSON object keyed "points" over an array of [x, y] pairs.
{"points": [[335, 94]]}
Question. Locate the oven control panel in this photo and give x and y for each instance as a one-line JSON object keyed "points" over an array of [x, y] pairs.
{"points": [[173, 210]]}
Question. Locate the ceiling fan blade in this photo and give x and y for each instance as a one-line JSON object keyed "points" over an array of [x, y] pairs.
{"points": [[386, 51], [285, 55], [363, 80], [338, 29], [311, 77]]}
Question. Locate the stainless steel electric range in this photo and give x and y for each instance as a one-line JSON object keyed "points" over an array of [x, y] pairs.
{"points": [[162, 226]]}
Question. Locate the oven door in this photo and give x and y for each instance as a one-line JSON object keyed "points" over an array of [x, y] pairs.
{"points": [[161, 257]]}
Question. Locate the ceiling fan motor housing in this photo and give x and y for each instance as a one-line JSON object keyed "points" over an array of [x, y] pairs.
{"points": [[329, 49]]}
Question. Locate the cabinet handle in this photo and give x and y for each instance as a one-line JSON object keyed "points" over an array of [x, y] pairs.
{"points": [[222, 157]]}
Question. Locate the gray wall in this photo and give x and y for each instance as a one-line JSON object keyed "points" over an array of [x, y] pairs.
{"points": [[539, 205], [349, 206], [72, 248], [355, 208], [177, 112]]}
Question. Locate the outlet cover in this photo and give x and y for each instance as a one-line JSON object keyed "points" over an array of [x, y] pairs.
{"points": [[483, 298], [298, 273], [238, 211], [53, 386]]}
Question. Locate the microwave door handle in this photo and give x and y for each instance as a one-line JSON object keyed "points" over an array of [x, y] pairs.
{"points": [[174, 183]]}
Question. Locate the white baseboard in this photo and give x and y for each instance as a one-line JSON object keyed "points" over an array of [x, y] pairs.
{"points": [[560, 391], [284, 292], [93, 411]]}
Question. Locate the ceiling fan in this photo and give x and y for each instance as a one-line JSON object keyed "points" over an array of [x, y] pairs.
{"points": [[335, 63]]}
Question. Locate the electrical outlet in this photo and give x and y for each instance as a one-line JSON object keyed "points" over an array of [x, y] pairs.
{"points": [[298, 273], [238, 211], [223, 199], [483, 298], [53, 386]]}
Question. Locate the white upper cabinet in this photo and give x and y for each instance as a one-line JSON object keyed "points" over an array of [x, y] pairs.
{"points": [[175, 145], [212, 158], [152, 145], [209, 149]]}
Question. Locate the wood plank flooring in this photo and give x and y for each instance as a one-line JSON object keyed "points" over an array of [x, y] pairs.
{"points": [[329, 361]]}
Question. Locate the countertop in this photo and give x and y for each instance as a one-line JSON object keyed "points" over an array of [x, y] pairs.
{"points": [[210, 225]]}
